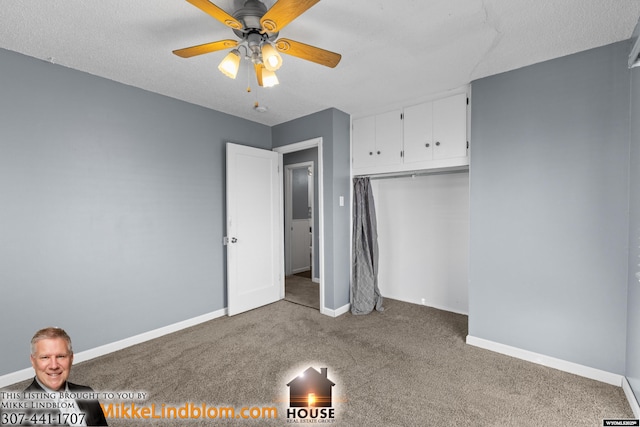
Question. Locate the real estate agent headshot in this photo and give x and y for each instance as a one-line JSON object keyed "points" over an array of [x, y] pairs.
{"points": [[68, 403]]}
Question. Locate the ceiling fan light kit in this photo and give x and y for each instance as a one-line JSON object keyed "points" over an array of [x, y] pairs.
{"points": [[258, 30], [269, 78], [230, 64], [270, 57]]}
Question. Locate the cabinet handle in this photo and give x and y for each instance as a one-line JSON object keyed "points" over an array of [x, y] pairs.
{"points": [[427, 145], [378, 152], [437, 142], [371, 153]]}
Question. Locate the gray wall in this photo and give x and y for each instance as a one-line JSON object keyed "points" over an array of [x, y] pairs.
{"points": [[333, 126], [633, 319], [112, 206], [549, 197], [300, 193]]}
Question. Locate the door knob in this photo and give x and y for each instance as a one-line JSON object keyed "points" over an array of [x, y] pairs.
{"points": [[227, 240]]}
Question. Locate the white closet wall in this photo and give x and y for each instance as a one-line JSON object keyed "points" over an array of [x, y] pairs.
{"points": [[423, 237]]}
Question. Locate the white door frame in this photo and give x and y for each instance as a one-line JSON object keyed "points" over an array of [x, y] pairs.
{"points": [[288, 213], [299, 146]]}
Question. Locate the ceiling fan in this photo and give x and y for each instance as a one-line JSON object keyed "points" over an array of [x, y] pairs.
{"points": [[258, 29]]}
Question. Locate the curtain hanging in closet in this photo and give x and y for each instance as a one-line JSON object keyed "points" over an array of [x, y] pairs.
{"points": [[365, 295]]}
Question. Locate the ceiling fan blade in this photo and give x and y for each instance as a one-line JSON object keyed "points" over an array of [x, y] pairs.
{"points": [[188, 52], [258, 68], [310, 53], [213, 10], [283, 12]]}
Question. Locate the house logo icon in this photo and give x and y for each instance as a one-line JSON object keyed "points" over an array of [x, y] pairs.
{"points": [[310, 395]]}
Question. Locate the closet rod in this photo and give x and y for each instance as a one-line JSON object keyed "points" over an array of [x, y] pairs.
{"points": [[413, 174]]}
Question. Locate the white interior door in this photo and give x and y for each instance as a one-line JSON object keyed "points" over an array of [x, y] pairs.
{"points": [[300, 245], [254, 230]]}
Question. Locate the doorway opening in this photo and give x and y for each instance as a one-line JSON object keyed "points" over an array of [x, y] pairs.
{"points": [[304, 223], [299, 218], [299, 226]]}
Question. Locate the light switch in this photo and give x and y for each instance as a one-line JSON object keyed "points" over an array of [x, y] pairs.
{"points": [[341, 200]]}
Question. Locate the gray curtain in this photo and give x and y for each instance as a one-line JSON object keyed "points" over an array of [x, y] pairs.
{"points": [[365, 295]]}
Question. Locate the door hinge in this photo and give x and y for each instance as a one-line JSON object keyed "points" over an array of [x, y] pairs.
{"points": [[467, 145], [401, 116], [401, 153]]}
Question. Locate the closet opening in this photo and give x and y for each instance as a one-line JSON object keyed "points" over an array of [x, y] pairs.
{"points": [[423, 238]]}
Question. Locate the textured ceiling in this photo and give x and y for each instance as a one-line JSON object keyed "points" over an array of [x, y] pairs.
{"points": [[394, 52]]}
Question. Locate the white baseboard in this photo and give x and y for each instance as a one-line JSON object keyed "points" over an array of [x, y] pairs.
{"points": [[428, 304], [551, 362], [445, 308], [337, 312], [25, 374], [631, 397]]}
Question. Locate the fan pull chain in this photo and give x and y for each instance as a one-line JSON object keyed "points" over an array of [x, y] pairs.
{"points": [[248, 77], [256, 104]]}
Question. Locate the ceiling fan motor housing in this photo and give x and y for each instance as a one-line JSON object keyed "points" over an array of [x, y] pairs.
{"points": [[252, 31], [250, 15]]}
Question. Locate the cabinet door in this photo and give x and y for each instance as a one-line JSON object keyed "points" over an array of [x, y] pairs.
{"points": [[418, 133], [364, 142], [450, 127], [388, 138]]}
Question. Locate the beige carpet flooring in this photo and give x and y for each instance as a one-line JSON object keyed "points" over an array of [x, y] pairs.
{"points": [[300, 289], [406, 366]]}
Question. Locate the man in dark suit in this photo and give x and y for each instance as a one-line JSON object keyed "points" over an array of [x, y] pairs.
{"points": [[51, 358]]}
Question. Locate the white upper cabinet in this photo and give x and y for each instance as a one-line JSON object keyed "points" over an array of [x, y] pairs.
{"points": [[379, 140], [389, 138], [430, 135], [363, 147], [418, 132], [450, 127], [436, 130]]}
